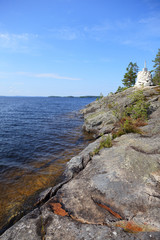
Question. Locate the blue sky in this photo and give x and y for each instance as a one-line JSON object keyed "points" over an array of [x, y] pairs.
{"points": [[74, 47]]}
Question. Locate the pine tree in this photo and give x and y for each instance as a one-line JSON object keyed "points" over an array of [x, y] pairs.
{"points": [[131, 74], [156, 77]]}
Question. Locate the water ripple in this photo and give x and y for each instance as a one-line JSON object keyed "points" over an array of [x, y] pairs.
{"points": [[37, 137]]}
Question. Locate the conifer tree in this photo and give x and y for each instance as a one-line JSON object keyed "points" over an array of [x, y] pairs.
{"points": [[156, 77], [131, 74]]}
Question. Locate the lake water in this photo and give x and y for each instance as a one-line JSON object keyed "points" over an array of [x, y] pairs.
{"points": [[37, 137]]}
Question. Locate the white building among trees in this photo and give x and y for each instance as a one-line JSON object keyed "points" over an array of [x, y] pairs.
{"points": [[144, 78]]}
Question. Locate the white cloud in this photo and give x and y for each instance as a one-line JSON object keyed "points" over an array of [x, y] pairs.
{"points": [[54, 76], [81, 32], [145, 20], [127, 31], [127, 42], [143, 33], [123, 24], [98, 28], [15, 42], [98, 32], [37, 75], [151, 25], [65, 33]]}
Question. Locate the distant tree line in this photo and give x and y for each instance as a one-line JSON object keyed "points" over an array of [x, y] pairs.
{"points": [[132, 70]]}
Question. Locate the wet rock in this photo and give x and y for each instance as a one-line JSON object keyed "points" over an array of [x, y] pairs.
{"points": [[26, 228], [77, 163], [43, 195]]}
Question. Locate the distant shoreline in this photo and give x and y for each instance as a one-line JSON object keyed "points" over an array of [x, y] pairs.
{"points": [[74, 96], [54, 96]]}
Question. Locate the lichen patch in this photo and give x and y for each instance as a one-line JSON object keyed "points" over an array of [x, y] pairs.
{"points": [[133, 227], [57, 209]]}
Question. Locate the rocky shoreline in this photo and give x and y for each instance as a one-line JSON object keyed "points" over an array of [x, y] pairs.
{"points": [[110, 194]]}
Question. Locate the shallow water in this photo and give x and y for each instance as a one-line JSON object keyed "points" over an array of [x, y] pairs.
{"points": [[37, 137]]}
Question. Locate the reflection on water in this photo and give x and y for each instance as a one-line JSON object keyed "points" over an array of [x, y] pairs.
{"points": [[38, 136]]}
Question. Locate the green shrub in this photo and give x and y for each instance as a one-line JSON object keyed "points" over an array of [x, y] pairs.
{"points": [[100, 97], [117, 112], [104, 143], [127, 125], [110, 106], [139, 107], [96, 151], [121, 89], [137, 96]]}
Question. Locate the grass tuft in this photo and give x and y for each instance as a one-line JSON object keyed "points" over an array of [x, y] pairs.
{"points": [[105, 143], [128, 125]]}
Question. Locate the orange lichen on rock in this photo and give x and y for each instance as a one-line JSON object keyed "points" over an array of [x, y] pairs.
{"points": [[133, 227], [110, 210], [57, 209]]}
